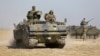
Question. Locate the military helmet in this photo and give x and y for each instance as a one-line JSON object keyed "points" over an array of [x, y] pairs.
{"points": [[51, 12], [83, 18], [33, 7]]}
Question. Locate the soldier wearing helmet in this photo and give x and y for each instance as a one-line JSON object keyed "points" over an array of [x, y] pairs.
{"points": [[84, 28], [33, 14], [50, 16], [30, 13]]}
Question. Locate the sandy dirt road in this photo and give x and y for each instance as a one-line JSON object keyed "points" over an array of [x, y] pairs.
{"points": [[73, 47]]}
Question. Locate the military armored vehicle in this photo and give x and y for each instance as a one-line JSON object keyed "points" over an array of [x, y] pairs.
{"points": [[92, 32], [30, 34]]}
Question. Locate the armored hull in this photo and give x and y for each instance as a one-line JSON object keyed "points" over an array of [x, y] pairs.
{"points": [[51, 34], [92, 32]]}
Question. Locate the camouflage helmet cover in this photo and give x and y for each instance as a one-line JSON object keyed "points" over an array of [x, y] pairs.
{"points": [[33, 7], [51, 12]]}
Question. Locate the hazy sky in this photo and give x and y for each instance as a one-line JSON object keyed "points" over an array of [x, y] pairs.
{"points": [[14, 11]]}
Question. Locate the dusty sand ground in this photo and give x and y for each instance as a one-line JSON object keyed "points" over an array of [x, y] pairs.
{"points": [[73, 47]]}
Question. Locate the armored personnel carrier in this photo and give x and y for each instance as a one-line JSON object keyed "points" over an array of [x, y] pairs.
{"points": [[52, 34], [92, 32]]}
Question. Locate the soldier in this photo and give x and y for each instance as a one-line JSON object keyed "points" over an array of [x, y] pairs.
{"points": [[30, 13], [33, 14], [50, 16], [84, 28]]}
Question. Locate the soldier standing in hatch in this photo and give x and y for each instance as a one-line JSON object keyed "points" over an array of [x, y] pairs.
{"points": [[30, 13], [84, 28], [50, 17]]}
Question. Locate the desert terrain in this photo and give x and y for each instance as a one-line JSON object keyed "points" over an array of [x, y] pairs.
{"points": [[73, 47]]}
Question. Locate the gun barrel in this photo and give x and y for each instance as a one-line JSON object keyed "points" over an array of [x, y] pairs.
{"points": [[90, 20]]}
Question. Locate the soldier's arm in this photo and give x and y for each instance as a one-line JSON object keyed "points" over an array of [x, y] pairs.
{"points": [[28, 13], [45, 16]]}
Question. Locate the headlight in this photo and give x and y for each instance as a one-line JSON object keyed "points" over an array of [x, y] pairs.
{"points": [[49, 38], [55, 28]]}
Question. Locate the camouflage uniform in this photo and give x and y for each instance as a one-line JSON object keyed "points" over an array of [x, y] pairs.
{"points": [[50, 16], [30, 13], [33, 15], [84, 28]]}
